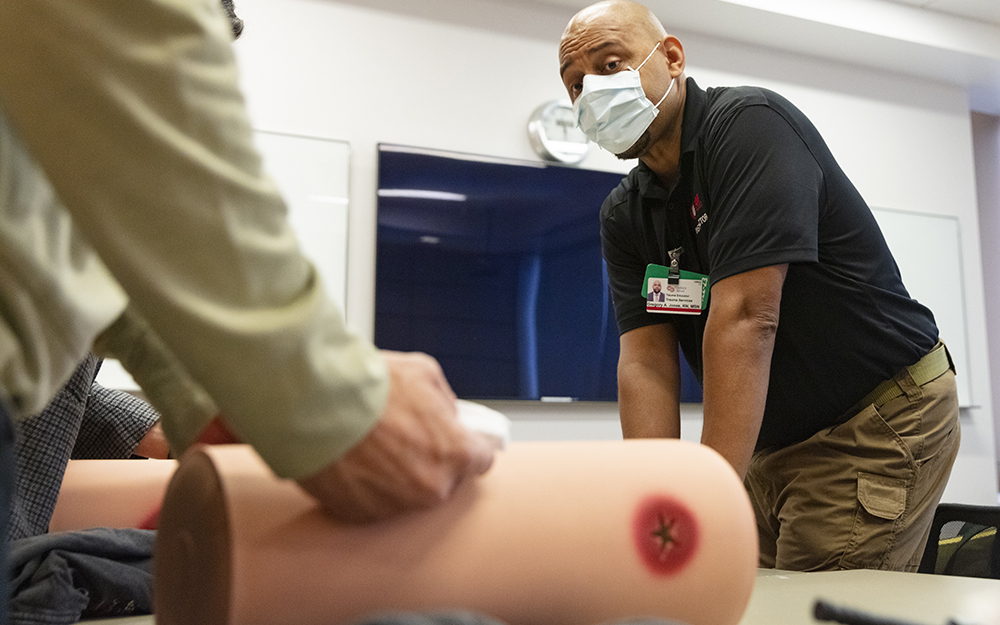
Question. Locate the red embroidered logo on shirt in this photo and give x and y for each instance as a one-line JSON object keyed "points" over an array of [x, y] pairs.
{"points": [[695, 206]]}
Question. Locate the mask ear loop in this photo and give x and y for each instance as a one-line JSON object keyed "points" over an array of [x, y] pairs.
{"points": [[672, 78], [651, 53]]}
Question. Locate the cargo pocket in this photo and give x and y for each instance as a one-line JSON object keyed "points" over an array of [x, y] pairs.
{"points": [[881, 502], [884, 497]]}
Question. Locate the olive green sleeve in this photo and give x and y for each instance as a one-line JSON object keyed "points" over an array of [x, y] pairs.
{"points": [[134, 113]]}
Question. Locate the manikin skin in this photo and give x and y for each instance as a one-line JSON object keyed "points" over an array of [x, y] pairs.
{"points": [[555, 533], [110, 493]]}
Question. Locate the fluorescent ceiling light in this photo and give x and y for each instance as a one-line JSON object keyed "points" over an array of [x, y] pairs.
{"points": [[823, 11], [423, 194], [904, 22]]}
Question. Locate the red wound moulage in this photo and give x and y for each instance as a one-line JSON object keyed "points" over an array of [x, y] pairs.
{"points": [[665, 533]]}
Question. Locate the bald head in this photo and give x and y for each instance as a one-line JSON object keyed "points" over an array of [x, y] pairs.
{"points": [[627, 22], [617, 15]]}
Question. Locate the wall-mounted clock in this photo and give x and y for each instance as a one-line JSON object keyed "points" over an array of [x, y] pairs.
{"points": [[554, 134]]}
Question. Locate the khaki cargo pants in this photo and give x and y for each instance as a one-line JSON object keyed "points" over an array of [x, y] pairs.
{"points": [[861, 494]]}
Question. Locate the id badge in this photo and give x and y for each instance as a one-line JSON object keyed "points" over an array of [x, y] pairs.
{"points": [[689, 296]]}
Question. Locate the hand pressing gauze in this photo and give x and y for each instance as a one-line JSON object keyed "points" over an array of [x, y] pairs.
{"points": [[556, 533]]}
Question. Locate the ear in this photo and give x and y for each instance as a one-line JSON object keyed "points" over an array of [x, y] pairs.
{"points": [[675, 55]]}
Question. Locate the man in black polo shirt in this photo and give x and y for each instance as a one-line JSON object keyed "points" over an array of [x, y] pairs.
{"points": [[825, 385]]}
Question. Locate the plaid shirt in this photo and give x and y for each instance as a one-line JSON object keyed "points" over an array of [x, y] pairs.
{"points": [[84, 420]]}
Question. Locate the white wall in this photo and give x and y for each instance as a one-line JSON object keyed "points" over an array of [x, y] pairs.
{"points": [[465, 74], [986, 139]]}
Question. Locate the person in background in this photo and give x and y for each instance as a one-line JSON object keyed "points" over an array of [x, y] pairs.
{"points": [[825, 384], [83, 421], [128, 178]]}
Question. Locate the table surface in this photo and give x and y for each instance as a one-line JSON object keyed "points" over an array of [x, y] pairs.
{"points": [[787, 598]]}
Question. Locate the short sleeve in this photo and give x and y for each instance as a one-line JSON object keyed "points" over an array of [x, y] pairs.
{"points": [[113, 425], [626, 271], [766, 190]]}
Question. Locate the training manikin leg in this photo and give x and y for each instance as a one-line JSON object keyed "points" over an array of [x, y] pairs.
{"points": [[555, 533], [110, 493]]}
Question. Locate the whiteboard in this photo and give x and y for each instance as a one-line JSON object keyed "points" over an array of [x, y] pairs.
{"points": [[928, 250], [312, 174]]}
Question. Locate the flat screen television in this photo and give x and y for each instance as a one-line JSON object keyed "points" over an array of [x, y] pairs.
{"points": [[494, 267]]}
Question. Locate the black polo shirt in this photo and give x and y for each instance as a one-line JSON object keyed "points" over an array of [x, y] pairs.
{"points": [[759, 187]]}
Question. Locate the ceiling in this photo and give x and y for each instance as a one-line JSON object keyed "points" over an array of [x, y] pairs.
{"points": [[949, 41], [979, 10]]}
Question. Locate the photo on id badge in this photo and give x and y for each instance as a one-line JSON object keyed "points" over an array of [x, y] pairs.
{"points": [[683, 296]]}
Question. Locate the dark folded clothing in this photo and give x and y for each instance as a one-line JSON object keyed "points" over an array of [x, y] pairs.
{"points": [[67, 576]]}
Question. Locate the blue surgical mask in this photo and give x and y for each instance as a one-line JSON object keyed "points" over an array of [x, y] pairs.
{"points": [[613, 110]]}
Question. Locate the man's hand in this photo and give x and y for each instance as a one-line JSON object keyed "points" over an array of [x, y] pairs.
{"points": [[414, 457], [154, 444]]}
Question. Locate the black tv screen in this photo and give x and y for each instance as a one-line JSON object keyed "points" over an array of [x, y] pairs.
{"points": [[494, 267]]}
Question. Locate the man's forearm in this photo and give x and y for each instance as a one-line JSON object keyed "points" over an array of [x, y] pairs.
{"points": [[649, 383], [737, 360], [647, 410], [739, 341]]}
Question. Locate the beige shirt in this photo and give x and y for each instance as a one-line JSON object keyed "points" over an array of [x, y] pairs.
{"points": [[56, 293], [133, 112]]}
